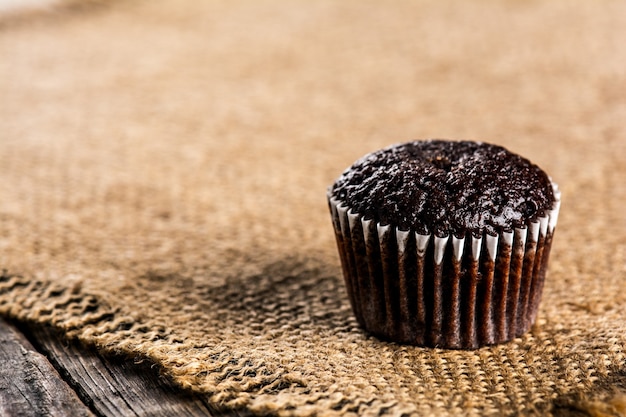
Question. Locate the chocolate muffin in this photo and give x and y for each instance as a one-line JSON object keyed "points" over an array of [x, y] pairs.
{"points": [[444, 243]]}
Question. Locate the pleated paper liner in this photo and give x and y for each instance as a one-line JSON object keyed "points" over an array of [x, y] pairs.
{"points": [[443, 292]]}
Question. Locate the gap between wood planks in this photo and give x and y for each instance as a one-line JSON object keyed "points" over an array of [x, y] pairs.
{"points": [[42, 373]]}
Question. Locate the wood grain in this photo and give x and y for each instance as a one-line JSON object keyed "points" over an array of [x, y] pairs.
{"points": [[117, 386], [29, 384]]}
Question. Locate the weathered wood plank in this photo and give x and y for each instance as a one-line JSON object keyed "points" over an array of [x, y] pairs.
{"points": [[116, 386], [29, 384]]}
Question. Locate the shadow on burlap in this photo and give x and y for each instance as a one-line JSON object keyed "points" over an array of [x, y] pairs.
{"points": [[164, 171]]}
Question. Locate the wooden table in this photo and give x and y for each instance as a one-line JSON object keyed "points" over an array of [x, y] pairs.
{"points": [[44, 374]]}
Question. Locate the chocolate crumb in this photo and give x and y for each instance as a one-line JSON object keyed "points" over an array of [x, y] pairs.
{"points": [[446, 187]]}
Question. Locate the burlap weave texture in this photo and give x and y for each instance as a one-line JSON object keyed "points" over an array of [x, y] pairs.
{"points": [[164, 168]]}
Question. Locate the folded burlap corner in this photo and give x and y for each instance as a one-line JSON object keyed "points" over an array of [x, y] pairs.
{"points": [[164, 170]]}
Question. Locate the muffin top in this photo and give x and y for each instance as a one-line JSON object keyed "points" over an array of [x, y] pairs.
{"points": [[446, 187]]}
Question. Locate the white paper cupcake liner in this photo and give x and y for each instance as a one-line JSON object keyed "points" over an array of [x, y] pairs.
{"points": [[443, 291]]}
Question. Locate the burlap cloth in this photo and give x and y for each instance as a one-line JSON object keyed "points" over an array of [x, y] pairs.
{"points": [[163, 169]]}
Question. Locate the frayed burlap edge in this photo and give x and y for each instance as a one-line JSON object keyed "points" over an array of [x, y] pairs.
{"points": [[89, 319]]}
